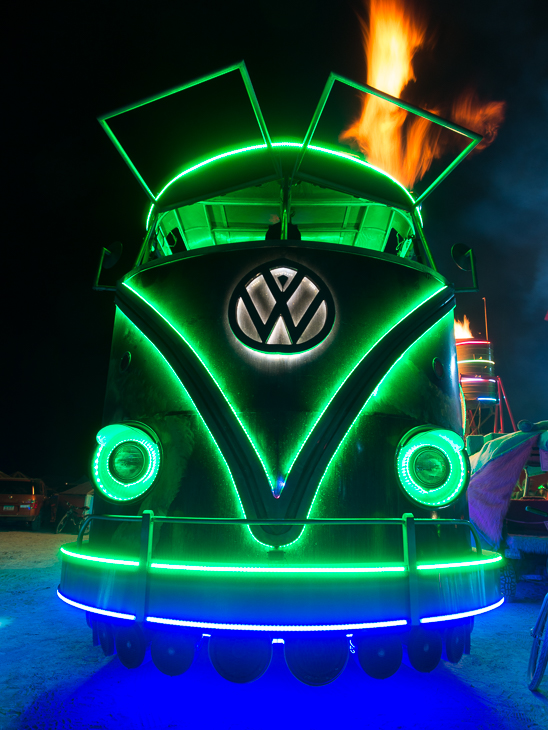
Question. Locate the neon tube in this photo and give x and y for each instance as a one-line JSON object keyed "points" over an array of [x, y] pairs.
{"points": [[252, 148], [464, 614], [93, 609], [97, 559], [251, 569], [260, 569], [221, 390], [479, 360], [478, 380], [473, 342], [465, 564], [275, 627]]}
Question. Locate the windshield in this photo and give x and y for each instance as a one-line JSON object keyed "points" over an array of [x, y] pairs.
{"points": [[15, 487]]}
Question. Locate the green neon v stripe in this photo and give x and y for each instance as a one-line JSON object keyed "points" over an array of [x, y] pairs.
{"points": [[168, 365], [306, 439], [176, 331], [221, 454], [327, 436], [374, 393]]}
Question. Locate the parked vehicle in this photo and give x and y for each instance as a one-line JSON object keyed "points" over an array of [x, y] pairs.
{"points": [[72, 520], [23, 500]]}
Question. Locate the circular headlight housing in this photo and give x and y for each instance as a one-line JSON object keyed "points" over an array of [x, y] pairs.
{"points": [[126, 462], [432, 466]]}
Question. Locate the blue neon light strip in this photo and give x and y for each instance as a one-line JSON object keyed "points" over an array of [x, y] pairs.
{"points": [[464, 614], [93, 609], [275, 627], [279, 627]]}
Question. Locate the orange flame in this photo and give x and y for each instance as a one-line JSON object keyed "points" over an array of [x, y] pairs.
{"points": [[462, 329], [401, 144]]}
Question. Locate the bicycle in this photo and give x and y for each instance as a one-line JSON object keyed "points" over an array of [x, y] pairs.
{"points": [[72, 516], [539, 651]]}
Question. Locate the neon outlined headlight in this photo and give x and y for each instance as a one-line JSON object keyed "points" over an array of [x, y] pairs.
{"points": [[432, 466], [126, 461]]}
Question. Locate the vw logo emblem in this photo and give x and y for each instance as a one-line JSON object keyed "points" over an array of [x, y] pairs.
{"points": [[281, 307]]}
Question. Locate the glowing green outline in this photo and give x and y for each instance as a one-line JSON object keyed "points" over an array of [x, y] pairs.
{"points": [[257, 569], [418, 306], [373, 394], [252, 148], [149, 304], [270, 481], [465, 564], [433, 497], [101, 473], [197, 411], [99, 559], [273, 570]]}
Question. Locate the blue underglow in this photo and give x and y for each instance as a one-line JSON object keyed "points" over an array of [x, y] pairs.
{"points": [[464, 614], [93, 609], [275, 627]]}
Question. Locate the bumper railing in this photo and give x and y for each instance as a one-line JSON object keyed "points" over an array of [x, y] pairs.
{"points": [[408, 523]]}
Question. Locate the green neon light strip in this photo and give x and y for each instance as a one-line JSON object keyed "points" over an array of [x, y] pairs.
{"points": [[197, 410], [253, 148], [276, 627], [464, 614], [257, 569], [270, 481], [465, 564], [418, 306], [97, 559], [246, 569], [450, 313]]}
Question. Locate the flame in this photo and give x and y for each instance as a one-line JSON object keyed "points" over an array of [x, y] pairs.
{"points": [[401, 144], [462, 329]]}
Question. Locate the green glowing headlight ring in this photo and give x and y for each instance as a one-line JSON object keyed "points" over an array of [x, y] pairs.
{"points": [[450, 447], [108, 440]]}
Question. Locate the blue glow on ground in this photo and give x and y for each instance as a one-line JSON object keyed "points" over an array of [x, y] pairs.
{"points": [[115, 697]]}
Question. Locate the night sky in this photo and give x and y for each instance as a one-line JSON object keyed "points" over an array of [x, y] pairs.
{"points": [[69, 192]]}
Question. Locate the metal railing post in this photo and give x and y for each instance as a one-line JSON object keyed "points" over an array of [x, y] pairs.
{"points": [[145, 552], [410, 557]]}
